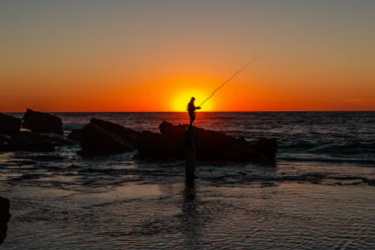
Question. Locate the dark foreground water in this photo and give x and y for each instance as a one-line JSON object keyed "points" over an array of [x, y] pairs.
{"points": [[321, 195]]}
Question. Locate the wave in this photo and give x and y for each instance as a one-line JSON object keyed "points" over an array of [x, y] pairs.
{"points": [[299, 145], [69, 126], [323, 158], [349, 148], [330, 148]]}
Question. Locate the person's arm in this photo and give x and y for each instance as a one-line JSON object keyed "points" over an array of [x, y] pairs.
{"points": [[197, 107]]}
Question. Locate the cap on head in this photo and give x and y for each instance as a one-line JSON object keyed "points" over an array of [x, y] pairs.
{"points": [[193, 99]]}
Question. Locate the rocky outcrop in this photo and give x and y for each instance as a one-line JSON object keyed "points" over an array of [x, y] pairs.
{"points": [[9, 125], [4, 218], [97, 141], [126, 134], [42, 122], [156, 146], [29, 141], [211, 145]]}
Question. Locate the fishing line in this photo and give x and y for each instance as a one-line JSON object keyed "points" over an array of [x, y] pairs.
{"points": [[222, 85]]}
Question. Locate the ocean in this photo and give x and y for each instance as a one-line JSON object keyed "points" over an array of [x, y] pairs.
{"points": [[320, 194]]}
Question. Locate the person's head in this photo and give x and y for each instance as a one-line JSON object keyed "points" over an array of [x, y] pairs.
{"points": [[192, 99]]}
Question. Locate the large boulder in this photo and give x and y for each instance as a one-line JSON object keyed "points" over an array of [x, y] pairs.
{"points": [[211, 145], [97, 141], [4, 218], [157, 146], [42, 122], [126, 134], [30, 141], [9, 125]]}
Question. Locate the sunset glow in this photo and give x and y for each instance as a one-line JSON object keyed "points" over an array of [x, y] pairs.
{"points": [[155, 55], [181, 100]]}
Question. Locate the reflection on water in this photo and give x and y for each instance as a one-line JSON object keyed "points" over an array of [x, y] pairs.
{"points": [[191, 225]]}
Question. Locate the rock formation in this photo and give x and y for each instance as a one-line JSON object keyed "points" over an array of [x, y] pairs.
{"points": [[211, 145], [103, 137], [97, 141], [126, 134], [156, 146], [29, 141], [9, 125], [42, 122]]}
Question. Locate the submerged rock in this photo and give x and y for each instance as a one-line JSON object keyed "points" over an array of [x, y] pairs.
{"points": [[29, 141], [266, 146], [57, 140], [33, 142], [4, 218], [97, 141], [4, 142], [211, 145], [42, 122], [9, 125]]}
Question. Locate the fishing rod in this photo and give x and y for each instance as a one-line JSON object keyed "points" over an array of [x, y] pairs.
{"points": [[222, 85]]}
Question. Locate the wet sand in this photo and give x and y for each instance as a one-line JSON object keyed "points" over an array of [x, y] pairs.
{"points": [[143, 206]]}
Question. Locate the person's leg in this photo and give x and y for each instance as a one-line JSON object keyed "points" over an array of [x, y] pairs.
{"points": [[191, 118]]}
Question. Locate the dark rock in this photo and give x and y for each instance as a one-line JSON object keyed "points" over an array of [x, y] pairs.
{"points": [[75, 135], [211, 145], [267, 146], [242, 140], [42, 122], [126, 134], [9, 125], [4, 218], [157, 146], [29, 141], [167, 128], [97, 141]]}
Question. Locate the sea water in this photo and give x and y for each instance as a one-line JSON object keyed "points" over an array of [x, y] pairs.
{"points": [[320, 194]]}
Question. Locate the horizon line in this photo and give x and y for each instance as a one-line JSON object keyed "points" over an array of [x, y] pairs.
{"points": [[270, 111]]}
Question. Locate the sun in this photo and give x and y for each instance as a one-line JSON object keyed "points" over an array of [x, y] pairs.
{"points": [[182, 99]]}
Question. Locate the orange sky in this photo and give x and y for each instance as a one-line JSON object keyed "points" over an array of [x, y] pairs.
{"points": [[141, 56]]}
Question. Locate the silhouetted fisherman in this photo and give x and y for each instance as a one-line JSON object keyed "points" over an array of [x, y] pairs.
{"points": [[189, 152], [191, 108]]}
